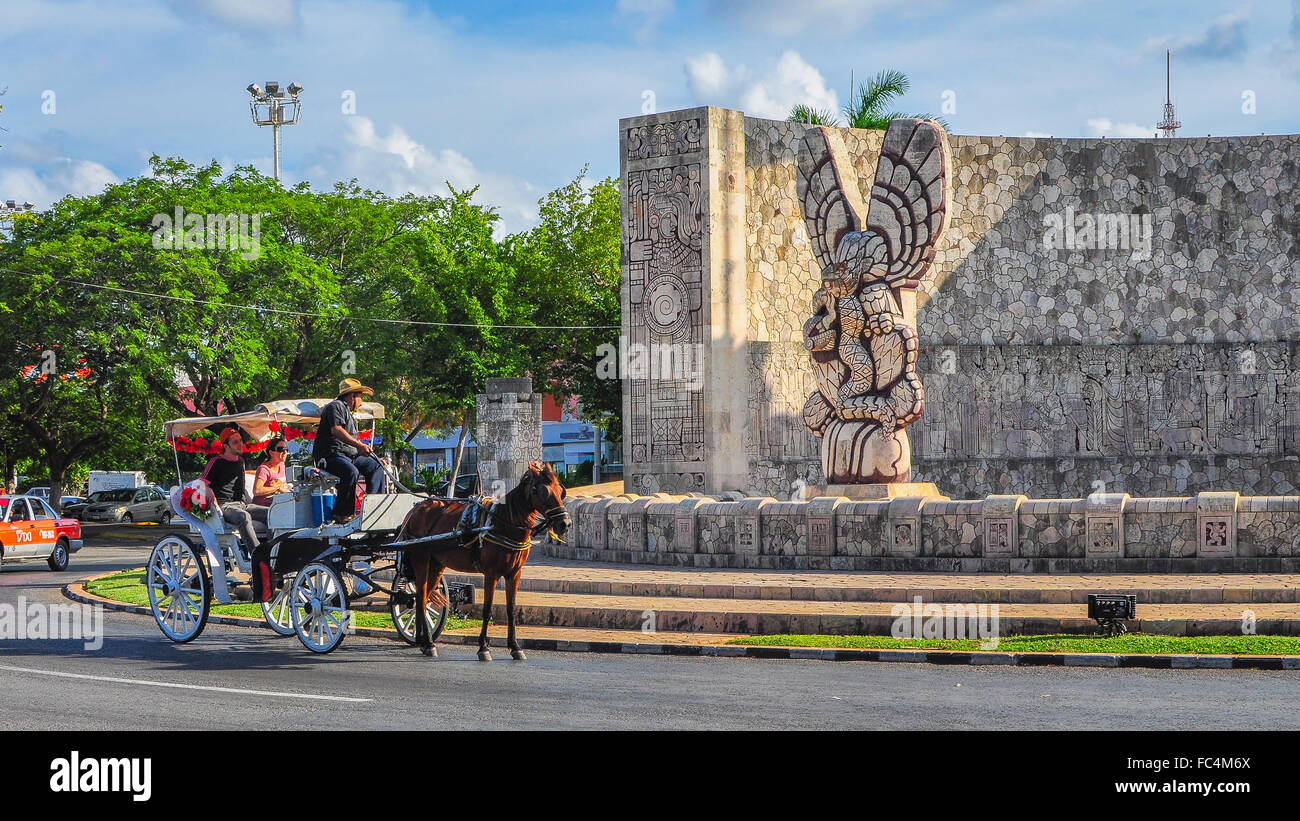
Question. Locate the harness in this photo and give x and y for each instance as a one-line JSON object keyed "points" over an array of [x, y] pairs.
{"points": [[480, 522]]}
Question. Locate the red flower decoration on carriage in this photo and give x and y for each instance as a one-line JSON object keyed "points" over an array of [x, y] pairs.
{"points": [[195, 503]]}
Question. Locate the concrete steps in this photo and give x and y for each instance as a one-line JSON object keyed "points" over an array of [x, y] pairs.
{"points": [[582, 596]]}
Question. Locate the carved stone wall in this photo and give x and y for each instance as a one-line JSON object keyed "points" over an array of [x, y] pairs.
{"points": [[509, 433], [1047, 370], [682, 187]]}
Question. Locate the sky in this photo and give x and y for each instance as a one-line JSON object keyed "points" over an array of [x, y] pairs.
{"points": [[410, 95]]}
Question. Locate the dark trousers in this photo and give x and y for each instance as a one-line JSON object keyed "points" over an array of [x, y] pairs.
{"points": [[349, 469]]}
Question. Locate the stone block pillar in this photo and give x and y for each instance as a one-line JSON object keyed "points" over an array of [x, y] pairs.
{"points": [[509, 433], [684, 342]]}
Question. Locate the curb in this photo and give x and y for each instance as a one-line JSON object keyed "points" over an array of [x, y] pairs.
{"points": [[77, 592]]}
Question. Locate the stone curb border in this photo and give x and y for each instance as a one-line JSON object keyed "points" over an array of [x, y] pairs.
{"points": [[77, 592]]}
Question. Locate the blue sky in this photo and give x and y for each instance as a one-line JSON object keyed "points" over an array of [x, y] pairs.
{"points": [[517, 98]]}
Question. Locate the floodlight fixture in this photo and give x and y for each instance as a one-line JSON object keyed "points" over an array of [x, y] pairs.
{"points": [[270, 107]]}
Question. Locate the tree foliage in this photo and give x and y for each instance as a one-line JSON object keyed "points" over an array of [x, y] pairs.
{"points": [[412, 295]]}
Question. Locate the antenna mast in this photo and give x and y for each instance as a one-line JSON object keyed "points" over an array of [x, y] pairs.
{"points": [[1170, 124]]}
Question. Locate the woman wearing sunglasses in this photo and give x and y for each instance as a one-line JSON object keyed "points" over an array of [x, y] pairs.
{"points": [[270, 474]]}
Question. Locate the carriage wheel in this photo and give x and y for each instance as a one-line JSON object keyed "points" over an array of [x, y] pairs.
{"points": [[277, 612], [180, 591], [319, 607], [404, 617]]}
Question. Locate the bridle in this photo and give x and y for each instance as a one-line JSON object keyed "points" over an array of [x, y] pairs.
{"points": [[524, 537]]}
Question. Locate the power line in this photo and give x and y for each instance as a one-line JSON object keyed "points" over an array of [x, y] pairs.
{"points": [[195, 301]]}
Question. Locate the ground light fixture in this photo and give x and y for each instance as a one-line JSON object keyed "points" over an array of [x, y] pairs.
{"points": [[1111, 611], [271, 107]]}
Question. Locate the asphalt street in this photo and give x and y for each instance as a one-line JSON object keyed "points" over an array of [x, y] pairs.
{"points": [[240, 678]]}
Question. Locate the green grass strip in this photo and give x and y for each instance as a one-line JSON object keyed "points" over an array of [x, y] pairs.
{"points": [[1128, 643], [128, 587]]}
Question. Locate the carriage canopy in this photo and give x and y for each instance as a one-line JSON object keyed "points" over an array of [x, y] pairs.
{"points": [[257, 422]]}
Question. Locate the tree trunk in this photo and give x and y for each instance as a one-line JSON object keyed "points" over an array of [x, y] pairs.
{"points": [[595, 461], [460, 452], [57, 468]]}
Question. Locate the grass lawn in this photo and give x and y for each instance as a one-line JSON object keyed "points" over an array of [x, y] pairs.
{"points": [[1129, 643], [128, 587]]}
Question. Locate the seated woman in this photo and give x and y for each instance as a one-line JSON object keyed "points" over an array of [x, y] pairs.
{"points": [[270, 474]]}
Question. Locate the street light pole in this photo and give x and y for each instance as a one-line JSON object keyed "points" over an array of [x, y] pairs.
{"points": [[271, 107]]}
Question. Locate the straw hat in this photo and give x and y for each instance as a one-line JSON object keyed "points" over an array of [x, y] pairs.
{"points": [[351, 385]]}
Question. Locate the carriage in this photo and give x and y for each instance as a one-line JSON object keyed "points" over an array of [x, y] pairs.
{"points": [[322, 569]]}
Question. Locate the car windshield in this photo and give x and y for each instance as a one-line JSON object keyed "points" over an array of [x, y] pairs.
{"points": [[122, 495]]}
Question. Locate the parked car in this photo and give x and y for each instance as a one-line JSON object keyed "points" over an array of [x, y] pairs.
{"points": [[466, 484], [39, 492], [65, 501], [76, 510], [140, 504], [30, 529]]}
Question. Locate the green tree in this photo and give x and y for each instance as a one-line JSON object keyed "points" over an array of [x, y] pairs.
{"points": [[567, 270]]}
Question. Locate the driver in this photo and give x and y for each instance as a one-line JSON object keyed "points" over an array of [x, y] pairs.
{"points": [[341, 452]]}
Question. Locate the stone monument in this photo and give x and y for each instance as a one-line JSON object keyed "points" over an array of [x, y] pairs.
{"points": [[862, 336], [509, 433]]}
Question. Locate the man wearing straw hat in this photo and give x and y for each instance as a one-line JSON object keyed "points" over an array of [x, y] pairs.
{"points": [[340, 451]]}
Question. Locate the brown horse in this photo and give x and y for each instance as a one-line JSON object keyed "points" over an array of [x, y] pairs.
{"points": [[538, 500]]}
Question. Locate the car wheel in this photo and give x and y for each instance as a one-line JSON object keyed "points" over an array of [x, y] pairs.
{"points": [[166, 518], [59, 558], [127, 519]]}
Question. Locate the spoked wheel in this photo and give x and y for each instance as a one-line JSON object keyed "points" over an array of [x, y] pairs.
{"points": [[319, 605], [180, 592], [404, 617], [277, 612]]}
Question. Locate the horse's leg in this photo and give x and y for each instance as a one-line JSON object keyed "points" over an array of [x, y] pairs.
{"points": [[489, 587], [420, 562], [512, 585]]}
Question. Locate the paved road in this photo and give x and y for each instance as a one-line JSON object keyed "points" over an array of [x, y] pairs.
{"points": [[379, 684]]}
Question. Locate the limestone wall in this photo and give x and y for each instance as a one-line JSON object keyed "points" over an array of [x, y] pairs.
{"points": [[1051, 372], [1209, 532]]}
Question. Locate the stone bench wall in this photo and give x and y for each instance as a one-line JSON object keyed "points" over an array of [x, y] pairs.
{"points": [[1209, 532]]}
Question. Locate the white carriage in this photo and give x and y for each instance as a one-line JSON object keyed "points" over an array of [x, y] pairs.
{"points": [[327, 569]]}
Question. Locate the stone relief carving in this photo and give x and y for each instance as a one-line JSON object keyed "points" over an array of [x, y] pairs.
{"points": [[862, 342], [664, 263]]}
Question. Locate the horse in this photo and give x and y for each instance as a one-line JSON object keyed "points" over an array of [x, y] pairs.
{"points": [[501, 551]]}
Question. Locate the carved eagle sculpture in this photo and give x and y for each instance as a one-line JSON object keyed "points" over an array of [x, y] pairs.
{"points": [[863, 350]]}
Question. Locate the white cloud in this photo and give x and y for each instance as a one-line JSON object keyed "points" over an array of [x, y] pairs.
{"points": [[397, 163], [44, 176], [709, 76], [1224, 39], [1035, 134], [770, 93], [259, 14], [1102, 127], [781, 17], [648, 14]]}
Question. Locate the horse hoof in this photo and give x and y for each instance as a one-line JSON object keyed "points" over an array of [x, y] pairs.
{"points": [[484, 655], [431, 652], [518, 655]]}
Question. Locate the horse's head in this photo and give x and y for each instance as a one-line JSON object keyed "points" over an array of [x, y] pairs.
{"points": [[545, 496]]}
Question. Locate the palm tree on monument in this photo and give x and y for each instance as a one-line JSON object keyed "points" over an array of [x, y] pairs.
{"points": [[868, 105]]}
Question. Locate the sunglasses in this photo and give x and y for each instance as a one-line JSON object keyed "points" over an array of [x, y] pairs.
{"points": [[279, 450]]}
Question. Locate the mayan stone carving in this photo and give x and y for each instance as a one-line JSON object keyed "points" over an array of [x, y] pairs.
{"points": [[509, 432], [862, 335]]}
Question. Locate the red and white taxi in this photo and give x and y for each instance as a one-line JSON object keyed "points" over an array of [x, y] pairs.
{"points": [[30, 529]]}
